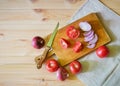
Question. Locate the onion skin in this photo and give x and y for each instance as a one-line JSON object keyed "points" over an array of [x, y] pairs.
{"points": [[38, 42], [62, 74]]}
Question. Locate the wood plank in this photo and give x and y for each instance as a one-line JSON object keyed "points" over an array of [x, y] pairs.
{"points": [[39, 83], [15, 40], [35, 16], [58, 4], [6, 60], [43, 4], [18, 42], [32, 27], [28, 74], [113, 5]]}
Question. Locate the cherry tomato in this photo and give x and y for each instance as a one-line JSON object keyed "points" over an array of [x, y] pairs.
{"points": [[75, 67], [102, 51], [38, 42], [77, 47], [52, 65], [64, 43], [72, 33]]}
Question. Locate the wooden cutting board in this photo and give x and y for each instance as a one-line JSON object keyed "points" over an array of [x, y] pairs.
{"points": [[65, 56]]}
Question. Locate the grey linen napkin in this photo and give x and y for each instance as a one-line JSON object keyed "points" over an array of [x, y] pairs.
{"points": [[96, 71]]}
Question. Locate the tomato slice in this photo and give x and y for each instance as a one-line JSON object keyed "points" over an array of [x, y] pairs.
{"points": [[75, 67], [64, 43], [72, 33], [77, 47], [52, 65]]}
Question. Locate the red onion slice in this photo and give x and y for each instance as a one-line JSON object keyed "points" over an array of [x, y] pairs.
{"points": [[85, 26], [87, 33], [89, 38], [92, 33], [94, 40], [91, 45]]}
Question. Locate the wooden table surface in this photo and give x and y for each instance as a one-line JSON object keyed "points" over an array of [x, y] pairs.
{"points": [[20, 21]]}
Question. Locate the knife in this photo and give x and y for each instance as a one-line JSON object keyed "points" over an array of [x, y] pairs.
{"points": [[42, 57]]}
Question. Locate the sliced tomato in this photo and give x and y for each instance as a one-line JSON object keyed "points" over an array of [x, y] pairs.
{"points": [[64, 43], [72, 33], [77, 47]]}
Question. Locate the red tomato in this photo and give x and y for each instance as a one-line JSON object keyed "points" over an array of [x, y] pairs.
{"points": [[77, 47], [52, 65], [64, 43], [75, 67], [72, 33], [102, 51]]}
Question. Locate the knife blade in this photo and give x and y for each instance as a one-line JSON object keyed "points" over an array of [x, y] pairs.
{"points": [[49, 44], [47, 47]]}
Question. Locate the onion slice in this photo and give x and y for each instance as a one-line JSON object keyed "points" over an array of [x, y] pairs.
{"points": [[91, 45], [94, 40], [85, 26], [87, 33], [88, 38], [90, 35]]}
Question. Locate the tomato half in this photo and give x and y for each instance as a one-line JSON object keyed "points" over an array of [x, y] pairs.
{"points": [[75, 67], [77, 47], [52, 65], [102, 51], [64, 43], [72, 33]]}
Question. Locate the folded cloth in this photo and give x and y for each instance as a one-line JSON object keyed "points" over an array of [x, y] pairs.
{"points": [[106, 71]]}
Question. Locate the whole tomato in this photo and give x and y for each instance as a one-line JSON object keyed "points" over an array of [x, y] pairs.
{"points": [[72, 33], [75, 67], [102, 51], [52, 65]]}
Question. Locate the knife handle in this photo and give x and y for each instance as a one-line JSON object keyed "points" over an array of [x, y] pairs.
{"points": [[42, 57]]}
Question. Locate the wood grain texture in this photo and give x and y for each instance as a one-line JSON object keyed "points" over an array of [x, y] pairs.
{"points": [[42, 4], [20, 21], [113, 5]]}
